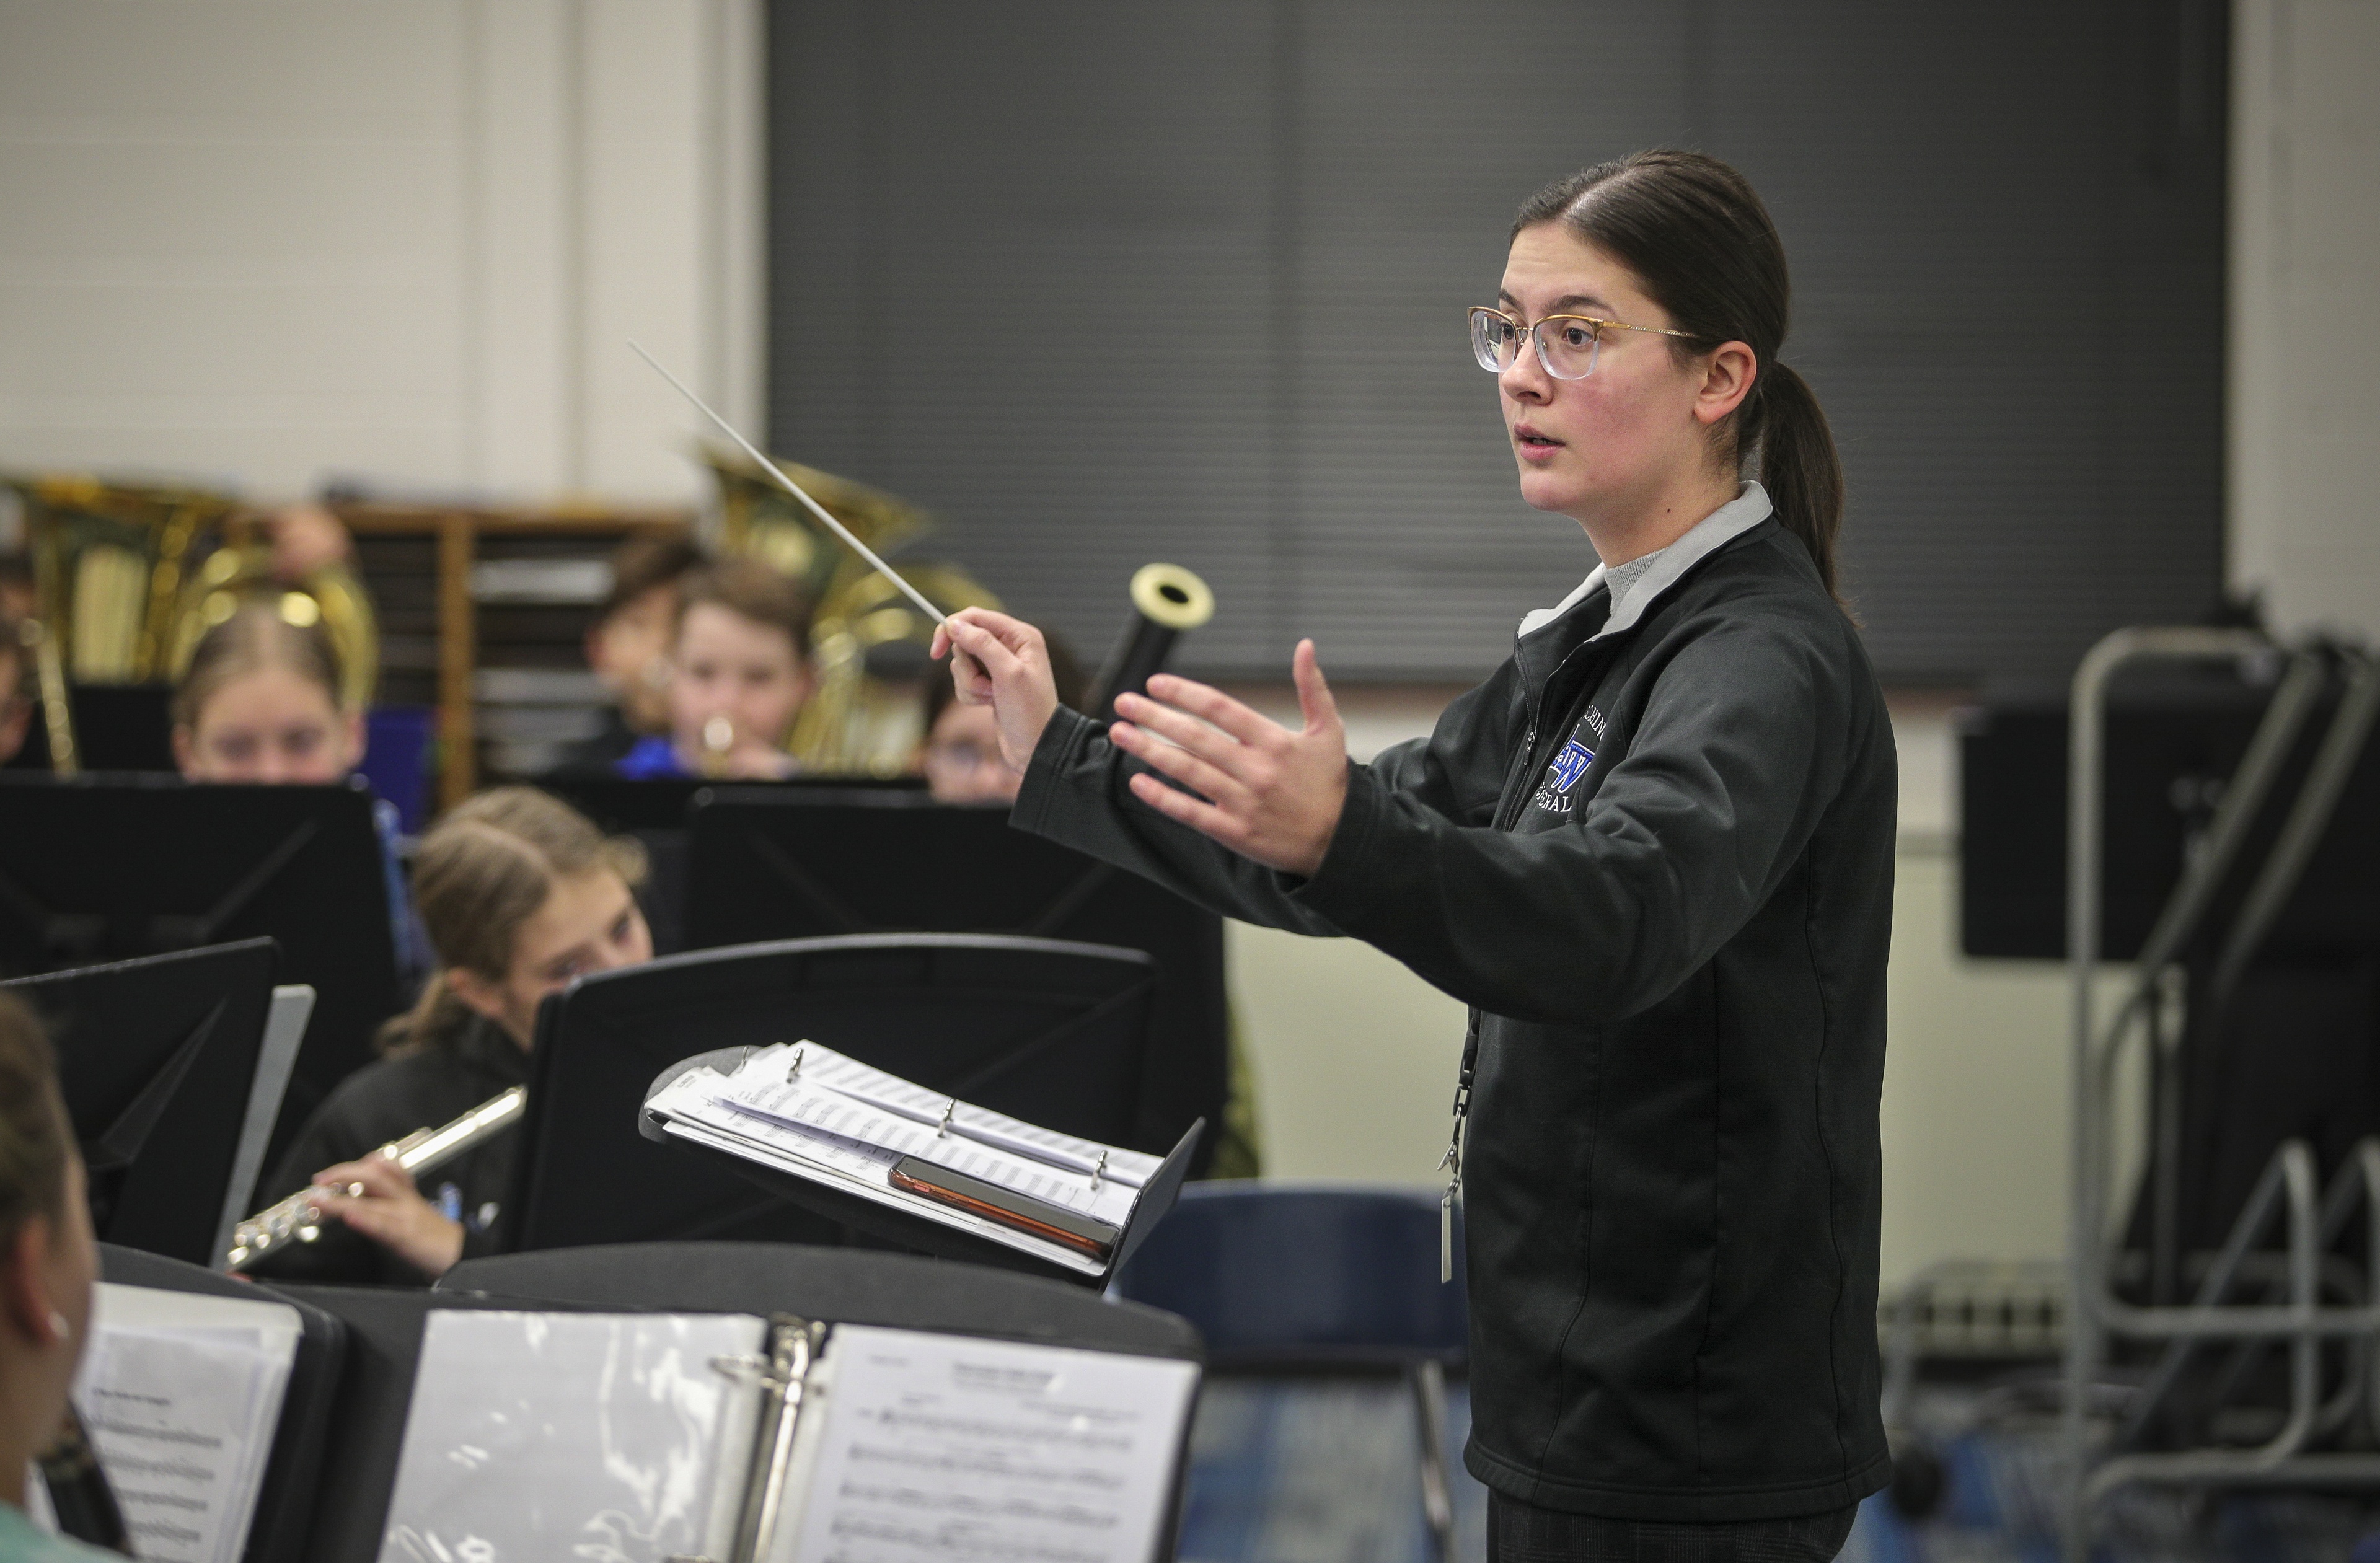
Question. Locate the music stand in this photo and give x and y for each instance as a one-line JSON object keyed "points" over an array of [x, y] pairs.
{"points": [[1054, 1034], [385, 1324], [116, 727], [768, 864], [285, 1504], [620, 805], [157, 1061], [99, 867]]}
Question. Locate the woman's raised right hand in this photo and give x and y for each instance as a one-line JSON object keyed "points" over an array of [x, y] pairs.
{"points": [[1004, 664]]}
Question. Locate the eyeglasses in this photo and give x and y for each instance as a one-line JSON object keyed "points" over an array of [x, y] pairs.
{"points": [[1567, 345]]}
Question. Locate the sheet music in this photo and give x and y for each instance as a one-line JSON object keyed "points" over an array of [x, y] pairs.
{"points": [[939, 1449], [874, 1189], [798, 1104], [838, 1071], [692, 1108], [602, 1437], [182, 1394]]}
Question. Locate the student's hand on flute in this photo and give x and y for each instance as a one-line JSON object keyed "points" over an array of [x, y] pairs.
{"points": [[1004, 664], [390, 1212], [1265, 791]]}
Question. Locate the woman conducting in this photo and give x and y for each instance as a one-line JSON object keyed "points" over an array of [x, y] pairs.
{"points": [[1653, 851]]}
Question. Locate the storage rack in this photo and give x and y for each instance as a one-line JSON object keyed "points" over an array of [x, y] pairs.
{"points": [[448, 623]]}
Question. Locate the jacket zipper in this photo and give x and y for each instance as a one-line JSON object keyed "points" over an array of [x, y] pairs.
{"points": [[1508, 813]]}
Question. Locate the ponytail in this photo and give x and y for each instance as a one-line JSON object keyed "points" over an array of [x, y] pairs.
{"points": [[436, 1020], [1695, 233], [1799, 464]]}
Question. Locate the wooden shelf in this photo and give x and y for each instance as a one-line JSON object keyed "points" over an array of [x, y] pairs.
{"points": [[458, 538]]}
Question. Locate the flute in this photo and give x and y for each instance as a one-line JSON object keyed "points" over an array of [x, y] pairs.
{"points": [[296, 1219]]}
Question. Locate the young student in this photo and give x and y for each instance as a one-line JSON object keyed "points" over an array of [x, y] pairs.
{"points": [[261, 704], [48, 1262], [739, 673], [628, 647], [521, 895], [1653, 851]]}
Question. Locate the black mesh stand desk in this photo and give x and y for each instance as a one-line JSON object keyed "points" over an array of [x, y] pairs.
{"points": [[104, 867], [285, 1504], [917, 1232], [778, 863], [1052, 1033], [384, 1328], [158, 1061]]}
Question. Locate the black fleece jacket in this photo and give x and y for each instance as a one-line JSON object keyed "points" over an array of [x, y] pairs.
{"points": [[1654, 852]]}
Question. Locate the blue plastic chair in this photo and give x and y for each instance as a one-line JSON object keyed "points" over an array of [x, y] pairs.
{"points": [[1285, 1278]]}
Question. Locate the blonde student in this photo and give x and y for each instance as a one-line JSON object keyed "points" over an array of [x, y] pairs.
{"points": [[260, 704], [521, 895]]}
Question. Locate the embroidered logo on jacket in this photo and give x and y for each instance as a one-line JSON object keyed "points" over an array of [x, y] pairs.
{"points": [[1569, 766], [1562, 775]]}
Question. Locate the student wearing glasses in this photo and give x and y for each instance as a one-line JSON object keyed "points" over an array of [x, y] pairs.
{"points": [[1653, 851]]}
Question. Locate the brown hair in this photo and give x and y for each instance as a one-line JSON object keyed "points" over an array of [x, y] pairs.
{"points": [[750, 589], [33, 1131], [645, 564], [255, 637], [1696, 235], [479, 875]]}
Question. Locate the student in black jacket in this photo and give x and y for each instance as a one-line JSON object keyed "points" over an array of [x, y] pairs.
{"points": [[1652, 852], [519, 894]]}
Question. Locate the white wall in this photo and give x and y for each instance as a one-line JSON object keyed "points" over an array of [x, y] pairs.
{"points": [[2305, 309], [1355, 1056], [262, 242]]}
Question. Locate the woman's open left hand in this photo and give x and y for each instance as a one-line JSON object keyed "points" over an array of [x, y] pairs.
{"points": [[1266, 792], [390, 1212]]}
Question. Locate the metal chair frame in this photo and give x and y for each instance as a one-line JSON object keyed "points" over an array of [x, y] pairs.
{"points": [[2302, 1323]]}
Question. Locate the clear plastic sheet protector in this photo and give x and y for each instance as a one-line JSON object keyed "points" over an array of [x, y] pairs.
{"points": [[584, 1438]]}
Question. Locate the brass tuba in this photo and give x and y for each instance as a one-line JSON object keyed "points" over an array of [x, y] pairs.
{"points": [[867, 714], [109, 565]]}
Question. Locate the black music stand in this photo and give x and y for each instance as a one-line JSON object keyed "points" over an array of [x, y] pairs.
{"points": [[844, 1286], [365, 1434], [101, 868], [116, 727], [618, 804], [156, 1061], [1054, 1034], [285, 1504], [768, 864]]}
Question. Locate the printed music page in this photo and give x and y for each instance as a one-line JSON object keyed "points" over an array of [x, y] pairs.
{"points": [[941, 1448], [182, 1395]]}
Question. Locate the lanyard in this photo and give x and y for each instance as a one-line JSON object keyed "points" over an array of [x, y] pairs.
{"points": [[1508, 813], [1451, 1165]]}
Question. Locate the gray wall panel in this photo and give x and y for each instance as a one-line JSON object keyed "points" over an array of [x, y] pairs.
{"points": [[1258, 221]]}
